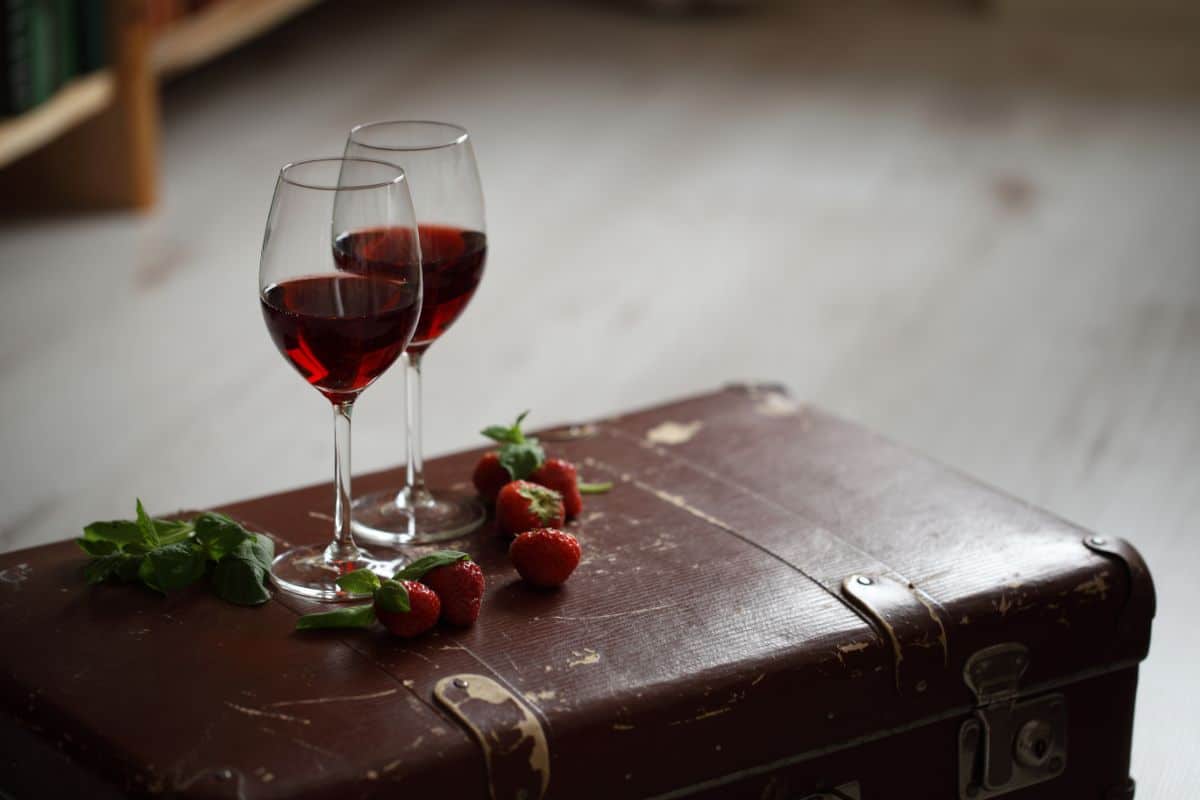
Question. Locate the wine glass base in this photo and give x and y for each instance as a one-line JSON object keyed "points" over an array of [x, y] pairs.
{"points": [[381, 517], [304, 571]]}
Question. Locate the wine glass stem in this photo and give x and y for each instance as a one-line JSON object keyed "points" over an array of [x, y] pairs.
{"points": [[414, 484], [342, 548]]}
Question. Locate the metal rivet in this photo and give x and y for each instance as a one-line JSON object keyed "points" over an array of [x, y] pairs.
{"points": [[460, 683], [1098, 541], [225, 774], [1056, 764], [863, 580], [922, 686], [1034, 743]]}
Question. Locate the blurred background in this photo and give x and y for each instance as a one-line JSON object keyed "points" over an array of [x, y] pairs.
{"points": [[974, 227]]}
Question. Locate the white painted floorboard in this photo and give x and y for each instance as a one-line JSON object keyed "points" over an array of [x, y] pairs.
{"points": [[980, 238]]}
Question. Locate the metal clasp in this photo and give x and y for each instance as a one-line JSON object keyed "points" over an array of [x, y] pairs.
{"points": [[1008, 745]]}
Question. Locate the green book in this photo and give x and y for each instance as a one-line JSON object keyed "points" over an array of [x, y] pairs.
{"points": [[91, 35], [5, 94], [66, 42], [18, 85], [43, 71]]}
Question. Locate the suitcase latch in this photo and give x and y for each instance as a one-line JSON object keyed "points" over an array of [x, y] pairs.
{"points": [[1008, 745], [847, 791]]}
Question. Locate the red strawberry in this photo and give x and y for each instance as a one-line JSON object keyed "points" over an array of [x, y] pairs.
{"points": [[460, 588], [545, 557], [522, 506], [422, 614], [560, 475], [489, 477]]}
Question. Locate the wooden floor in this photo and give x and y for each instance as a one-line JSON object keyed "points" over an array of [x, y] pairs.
{"points": [[979, 237]]}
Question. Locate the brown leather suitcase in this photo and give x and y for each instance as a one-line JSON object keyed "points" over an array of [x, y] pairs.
{"points": [[773, 603]]}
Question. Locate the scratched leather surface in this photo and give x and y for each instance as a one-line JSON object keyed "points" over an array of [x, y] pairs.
{"points": [[706, 621]]}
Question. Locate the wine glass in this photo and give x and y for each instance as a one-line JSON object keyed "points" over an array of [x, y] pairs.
{"points": [[341, 312], [440, 164]]}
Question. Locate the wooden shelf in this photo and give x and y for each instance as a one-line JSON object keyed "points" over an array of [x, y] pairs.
{"points": [[95, 143], [75, 102], [221, 27]]}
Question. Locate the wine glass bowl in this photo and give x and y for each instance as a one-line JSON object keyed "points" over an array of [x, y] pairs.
{"points": [[340, 329], [440, 164]]}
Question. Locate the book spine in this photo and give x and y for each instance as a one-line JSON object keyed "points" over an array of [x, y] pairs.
{"points": [[5, 68], [43, 72], [19, 86], [91, 34], [66, 40]]}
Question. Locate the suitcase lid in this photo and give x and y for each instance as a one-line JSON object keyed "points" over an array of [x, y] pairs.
{"points": [[764, 581]]}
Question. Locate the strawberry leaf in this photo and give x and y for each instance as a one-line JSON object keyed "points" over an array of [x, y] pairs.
{"points": [[522, 459], [417, 569], [509, 435], [392, 596], [595, 488], [545, 504], [498, 433]]}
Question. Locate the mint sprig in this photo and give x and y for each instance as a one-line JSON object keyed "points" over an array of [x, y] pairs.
{"points": [[519, 454], [168, 555]]}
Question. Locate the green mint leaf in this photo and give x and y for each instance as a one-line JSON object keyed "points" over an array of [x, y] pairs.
{"points": [[115, 565], [360, 581], [417, 569], [595, 488], [350, 617], [176, 565], [258, 549], [521, 460], [219, 534], [117, 531], [146, 525], [172, 530], [129, 568], [262, 550], [240, 580], [97, 547], [147, 575], [392, 596], [241, 576]]}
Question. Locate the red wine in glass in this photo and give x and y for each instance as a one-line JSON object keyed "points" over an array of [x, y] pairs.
{"points": [[452, 262], [340, 332], [439, 164]]}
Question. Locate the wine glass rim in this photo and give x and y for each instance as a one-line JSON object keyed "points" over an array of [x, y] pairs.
{"points": [[341, 187], [461, 134]]}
